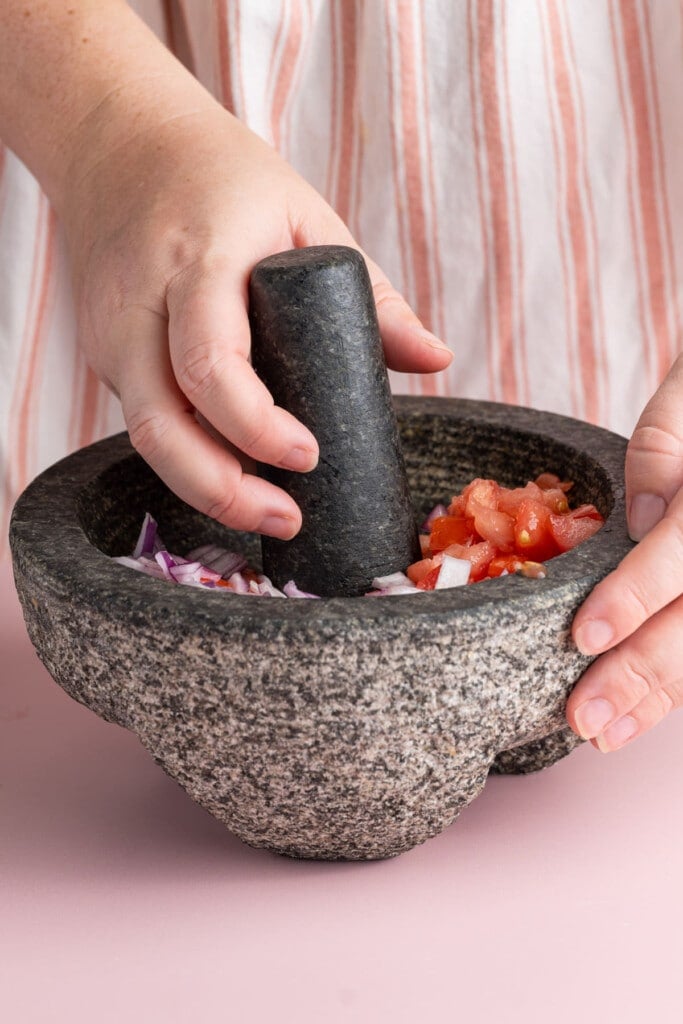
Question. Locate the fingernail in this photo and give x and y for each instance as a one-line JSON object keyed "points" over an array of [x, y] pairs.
{"points": [[431, 339], [594, 636], [300, 459], [593, 716], [278, 526], [623, 730], [645, 512]]}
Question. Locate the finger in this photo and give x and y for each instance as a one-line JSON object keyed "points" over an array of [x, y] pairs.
{"points": [[408, 346], [632, 687], [209, 342], [648, 578], [163, 429], [654, 458]]}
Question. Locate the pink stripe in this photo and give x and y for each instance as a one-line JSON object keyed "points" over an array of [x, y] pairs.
{"points": [[518, 248], [349, 110], [89, 408], [25, 407], [286, 73], [498, 198], [417, 226], [483, 210], [396, 149], [575, 218], [221, 21], [673, 289], [630, 175], [437, 304], [598, 311], [647, 184], [555, 134], [335, 63]]}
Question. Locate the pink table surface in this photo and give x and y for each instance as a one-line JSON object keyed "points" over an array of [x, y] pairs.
{"points": [[556, 897]]}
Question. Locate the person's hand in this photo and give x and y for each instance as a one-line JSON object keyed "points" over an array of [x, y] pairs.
{"points": [[635, 614], [164, 226]]}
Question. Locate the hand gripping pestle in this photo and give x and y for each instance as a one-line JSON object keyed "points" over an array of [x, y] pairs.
{"points": [[316, 346]]}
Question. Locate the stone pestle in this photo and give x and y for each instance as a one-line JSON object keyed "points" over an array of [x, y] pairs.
{"points": [[316, 346]]}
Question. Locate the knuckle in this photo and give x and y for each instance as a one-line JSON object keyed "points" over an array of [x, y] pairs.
{"points": [[386, 295], [633, 596], [256, 431], [222, 506], [666, 701], [642, 680], [147, 431], [200, 370], [653, 439]]}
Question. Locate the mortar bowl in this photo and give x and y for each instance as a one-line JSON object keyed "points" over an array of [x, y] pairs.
{"points": [[343, 728]]}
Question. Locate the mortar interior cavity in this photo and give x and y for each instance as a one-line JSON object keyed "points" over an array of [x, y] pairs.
{"points": [[442, 454]]}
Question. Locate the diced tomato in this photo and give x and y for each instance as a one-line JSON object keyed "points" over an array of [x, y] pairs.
{"points": [[548, 482], [418, 570], [496, 527], [510, 499], [478, 554], [555, 499], [533, 536], [586, 512], [428, 582], [450, 530], [481, 492], [424, 544], [457, 505], [568, 531], [504, 563]]}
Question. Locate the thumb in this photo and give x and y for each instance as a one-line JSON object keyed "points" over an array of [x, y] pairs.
{"points": [[654, 458]]}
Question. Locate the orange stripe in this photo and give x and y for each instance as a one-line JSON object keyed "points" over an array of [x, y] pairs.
{"points": [[497, 198], [647, 184], [472, 51], [286, 73], [560, 210], [221, 20], [330, 191], [417, 225], [630, 175], [3, 178], [349, 110], [15, 467], [673, 289], [396, 149], [89, 408], [437, 304], [575, 218], [520, 333], [594, 273]]}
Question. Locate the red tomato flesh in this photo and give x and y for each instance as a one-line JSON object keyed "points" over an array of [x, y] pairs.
{"points": [[500, 529]]}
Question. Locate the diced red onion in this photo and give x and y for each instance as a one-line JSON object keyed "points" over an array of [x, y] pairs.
{"points": [[166, 561], [238, 583], [291, 590], [394, 591], [141, 565], [394, 579], [148, 542]]}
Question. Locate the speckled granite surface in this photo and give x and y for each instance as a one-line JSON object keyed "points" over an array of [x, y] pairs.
{"points": [[340, 728]]}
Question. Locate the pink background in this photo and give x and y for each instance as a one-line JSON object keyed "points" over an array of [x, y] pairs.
{"points": [[556, 897]]}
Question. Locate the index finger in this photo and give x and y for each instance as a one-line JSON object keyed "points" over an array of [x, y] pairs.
{"points": [[209, 343], [648, 579]]}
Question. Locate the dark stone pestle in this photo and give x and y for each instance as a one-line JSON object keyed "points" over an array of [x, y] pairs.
{"points": [[316, 346]]}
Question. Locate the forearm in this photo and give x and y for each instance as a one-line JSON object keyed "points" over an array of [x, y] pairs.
{"points": [[78, 79]]}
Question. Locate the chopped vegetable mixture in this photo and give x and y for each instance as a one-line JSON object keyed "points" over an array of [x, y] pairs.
{"points": [[487, 530]]}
